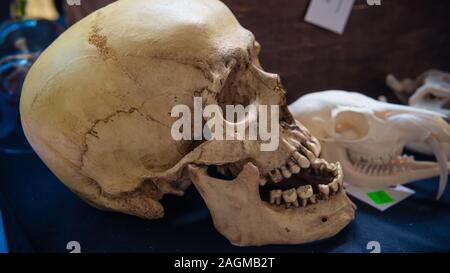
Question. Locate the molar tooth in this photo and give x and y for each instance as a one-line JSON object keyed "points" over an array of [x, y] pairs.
{"points": [[324, 191], [313, 199], [275, 197], [302, 160], [293, 166], [290, 197], [286, 173], [304, 192]]}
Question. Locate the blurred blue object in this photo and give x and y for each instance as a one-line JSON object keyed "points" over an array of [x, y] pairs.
{"points": [[21, 43], [3, 245]]}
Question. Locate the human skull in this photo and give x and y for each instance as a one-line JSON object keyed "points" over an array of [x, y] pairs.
{"points": [[96, 107], [368, 136]]}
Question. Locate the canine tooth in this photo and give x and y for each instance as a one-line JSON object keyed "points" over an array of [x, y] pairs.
{"points": [[275, 175], [334, 186], [304, 192], [293, 166], [302, 160], [324, 190], [313, 199], [275, 197], [286, 173]]}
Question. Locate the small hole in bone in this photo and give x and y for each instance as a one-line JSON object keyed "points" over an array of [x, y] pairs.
{"points": [[324, 219]]}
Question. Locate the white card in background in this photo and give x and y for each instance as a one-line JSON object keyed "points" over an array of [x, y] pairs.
{"points": [[380, 198], [329, 14]]}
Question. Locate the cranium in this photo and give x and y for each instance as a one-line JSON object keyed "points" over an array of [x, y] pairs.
{"points": [[431, 91], [368, 137], [96, 108]]}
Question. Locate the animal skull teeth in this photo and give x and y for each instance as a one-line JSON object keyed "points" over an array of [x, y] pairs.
{"points": [[368, 137]]}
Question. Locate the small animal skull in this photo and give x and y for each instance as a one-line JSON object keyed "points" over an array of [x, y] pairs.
{"points": [[430, 91], [96, 108], [368, 137]]}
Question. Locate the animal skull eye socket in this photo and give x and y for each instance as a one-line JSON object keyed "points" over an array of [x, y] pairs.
{"points": [[351, 125]]}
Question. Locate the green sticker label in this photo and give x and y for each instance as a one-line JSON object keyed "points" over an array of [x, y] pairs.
{"points": [[380, 197]]}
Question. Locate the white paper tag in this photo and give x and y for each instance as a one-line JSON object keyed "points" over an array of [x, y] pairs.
{"points": [[380, 198], [329, 14]]}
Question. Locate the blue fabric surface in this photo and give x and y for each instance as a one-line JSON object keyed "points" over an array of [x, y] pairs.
{"points": [[3, 245], [41, 214]]}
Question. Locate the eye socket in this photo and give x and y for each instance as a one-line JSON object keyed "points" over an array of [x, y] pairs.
{"points": [[351, 125]]}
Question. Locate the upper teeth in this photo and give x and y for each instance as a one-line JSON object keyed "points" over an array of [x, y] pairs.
{"points": [[293, 167], [301, 158]]}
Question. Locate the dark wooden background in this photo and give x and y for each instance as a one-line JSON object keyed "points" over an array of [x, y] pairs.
{"points": [[403, 37]]}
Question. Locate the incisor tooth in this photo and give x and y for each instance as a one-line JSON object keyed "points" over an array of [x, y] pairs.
{"points": [[324, 190], [304, 192], [293, 167], [275, 197], [302, 160], [286, 173]]}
